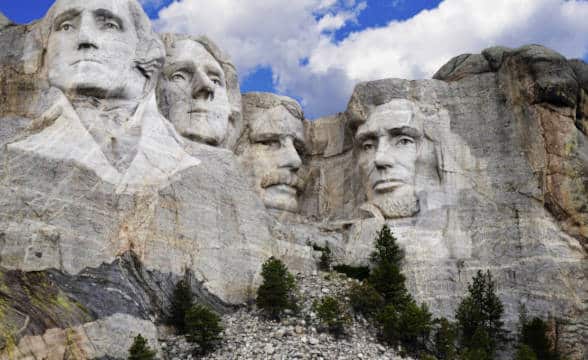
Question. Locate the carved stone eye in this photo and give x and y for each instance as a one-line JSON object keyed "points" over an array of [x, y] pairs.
{"points": [[368, 146], [405, 141], [271, 143], [178, 77], [65, 26], [112, 25]]}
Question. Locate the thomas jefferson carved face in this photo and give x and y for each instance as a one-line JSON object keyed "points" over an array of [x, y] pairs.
{"points": [[388, 148], [276, 140], [195, 89], [91, 49]]}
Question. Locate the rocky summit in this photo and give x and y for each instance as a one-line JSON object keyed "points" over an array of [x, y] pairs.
{"points": [[126, 168]]}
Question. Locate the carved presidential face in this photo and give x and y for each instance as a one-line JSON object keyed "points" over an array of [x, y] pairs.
{"points": [[195, 91], [91, 49], [388, 145], [274, 157]]}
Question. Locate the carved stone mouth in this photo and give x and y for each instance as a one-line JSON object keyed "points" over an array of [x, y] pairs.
{"points": [[384, 185], [86, 60], [197, 111], [285, 188]]}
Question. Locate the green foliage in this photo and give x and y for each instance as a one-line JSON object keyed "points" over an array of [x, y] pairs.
{"points": [[534, 335], [475, 354], [389, 281], [365, 300], [525, 353], [386, 248], [386, 276], [386, 299], [182, 299], [140, 350], [326, 259], [332, 315], [354, 272], [276, 292], [203, 327], [408, 326], [479, 316], [444, 340]]}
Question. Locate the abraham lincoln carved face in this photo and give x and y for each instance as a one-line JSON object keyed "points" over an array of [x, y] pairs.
{"points": [[388, 145]]}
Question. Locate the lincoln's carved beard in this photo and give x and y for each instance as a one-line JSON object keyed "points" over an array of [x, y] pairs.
{"points": [[403, 202]]}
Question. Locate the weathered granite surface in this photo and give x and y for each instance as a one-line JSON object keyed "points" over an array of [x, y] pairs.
{"points": [[500, 180], [4, 21], [105, 204]]}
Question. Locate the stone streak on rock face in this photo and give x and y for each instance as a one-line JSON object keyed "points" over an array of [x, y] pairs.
{"points": [[485, 167]]}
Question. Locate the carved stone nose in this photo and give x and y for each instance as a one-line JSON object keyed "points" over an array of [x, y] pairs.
{"points": [[290, 159], [202, 88], [203, 92], [86, 46]]}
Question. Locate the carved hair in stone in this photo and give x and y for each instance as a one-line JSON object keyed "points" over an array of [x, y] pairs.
{"points": [[387, 138], [104, 58], [199, 91], [271, 148]]}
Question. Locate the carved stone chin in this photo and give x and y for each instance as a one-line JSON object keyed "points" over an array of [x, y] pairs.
{"points": [[400, 203]]}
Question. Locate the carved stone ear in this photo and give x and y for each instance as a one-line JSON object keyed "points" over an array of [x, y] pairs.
{"points": [[33, 51]]}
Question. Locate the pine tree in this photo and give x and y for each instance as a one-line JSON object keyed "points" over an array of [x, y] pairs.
{"points": [[332, 315], [326, 259], [203, 328], [525, 353], [386, 249], [534, 335], [444, 340], [479, 316], [408, 326], [401, 321], [365, 300], [140, 350], [275, 293], [386, 276], [182, 300]]}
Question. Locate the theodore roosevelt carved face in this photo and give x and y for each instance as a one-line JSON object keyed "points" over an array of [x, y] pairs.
{"points": [[274, 148], [388, 145], [92, 47]]}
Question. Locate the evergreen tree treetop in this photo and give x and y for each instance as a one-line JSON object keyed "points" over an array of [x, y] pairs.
{"points": [[140, 350], [386, 248], [275, 293]]}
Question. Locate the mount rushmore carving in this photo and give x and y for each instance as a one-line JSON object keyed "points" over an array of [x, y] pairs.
{"points": [[131, 159]]}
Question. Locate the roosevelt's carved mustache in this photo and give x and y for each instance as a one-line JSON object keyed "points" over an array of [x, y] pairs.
{"points": [[282, 177]]}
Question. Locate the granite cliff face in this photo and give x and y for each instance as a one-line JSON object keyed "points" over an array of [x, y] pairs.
{"points": [[105, 203]]}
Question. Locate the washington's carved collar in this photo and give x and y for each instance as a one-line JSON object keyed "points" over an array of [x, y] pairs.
{"points": [[158, 154]]}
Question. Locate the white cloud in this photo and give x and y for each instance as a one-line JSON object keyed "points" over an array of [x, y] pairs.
{"points": [[280, 33]]}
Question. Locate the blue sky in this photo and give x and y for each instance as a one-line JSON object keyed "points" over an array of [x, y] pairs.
{"points": [[317, 50]]}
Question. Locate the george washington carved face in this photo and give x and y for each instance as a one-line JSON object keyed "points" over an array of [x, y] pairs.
{"points": [[91, 49]]}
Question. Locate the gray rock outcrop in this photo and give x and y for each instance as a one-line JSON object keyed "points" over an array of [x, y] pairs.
{"points": [[105, 204], [500, 181], [4, 21]]}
